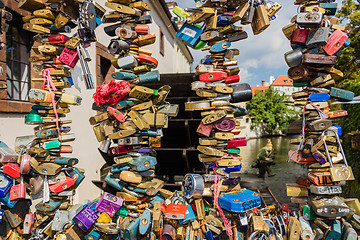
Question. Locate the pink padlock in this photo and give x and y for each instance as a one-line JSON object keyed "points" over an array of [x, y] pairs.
{"points": [[69, 57], [237, 142], [335, 42]]}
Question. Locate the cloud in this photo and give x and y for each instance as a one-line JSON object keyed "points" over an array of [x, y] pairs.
{"points": [[261, 55]]}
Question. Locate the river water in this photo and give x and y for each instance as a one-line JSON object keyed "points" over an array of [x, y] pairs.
{"points": [[285, 172]]}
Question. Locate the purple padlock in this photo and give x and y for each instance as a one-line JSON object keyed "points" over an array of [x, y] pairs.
{"points": [[109, 203], [85, 218]]}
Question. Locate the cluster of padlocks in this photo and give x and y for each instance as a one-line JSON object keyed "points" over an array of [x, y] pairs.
{"points": [[39, 178], [231, 212], [317, 40]]}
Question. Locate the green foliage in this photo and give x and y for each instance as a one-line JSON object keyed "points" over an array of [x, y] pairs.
{"points": [[349, 64], [269, 108]]}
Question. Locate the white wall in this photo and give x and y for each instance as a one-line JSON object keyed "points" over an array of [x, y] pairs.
{"points": [[85, 146]]}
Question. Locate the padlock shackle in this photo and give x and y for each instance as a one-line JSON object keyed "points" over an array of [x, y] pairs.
{"points": [[340, 145]]}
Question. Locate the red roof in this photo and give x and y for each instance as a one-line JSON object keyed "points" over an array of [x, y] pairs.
{"points": [[282, 80], [256, 89]]}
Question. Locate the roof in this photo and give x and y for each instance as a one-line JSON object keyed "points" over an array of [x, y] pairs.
{"points": [[261, 88], [282, 80]]}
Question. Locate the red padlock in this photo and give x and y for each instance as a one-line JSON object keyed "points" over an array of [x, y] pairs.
{"points": [[213, 76], [146, 59], [299, 35], [59, 187], [335, 42], [237, 142], [69, 57], [116, 114], [28, 223], [58, 39], [18, 192], [142, 29], [12, 169], [232, 79], [175, 211]]}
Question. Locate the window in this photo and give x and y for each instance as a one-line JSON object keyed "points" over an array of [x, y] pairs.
{"points": [[162, 42], [18, 46], [285, 81], [105, 65]]}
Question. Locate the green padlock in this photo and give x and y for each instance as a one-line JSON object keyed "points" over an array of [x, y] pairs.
{"points": [[308, 213]]}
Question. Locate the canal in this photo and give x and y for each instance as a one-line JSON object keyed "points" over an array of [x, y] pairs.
{"points": [[285, 172]]}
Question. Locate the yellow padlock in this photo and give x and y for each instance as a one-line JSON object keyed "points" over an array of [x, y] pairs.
{"points": [[104, 218]]}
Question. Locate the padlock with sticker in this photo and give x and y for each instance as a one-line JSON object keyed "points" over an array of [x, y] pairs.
{"points": [[109, 204]]}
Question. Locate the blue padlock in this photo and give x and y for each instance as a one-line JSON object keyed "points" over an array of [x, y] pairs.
{"points": [[189, 215], [123, 75], [93, 235], [319, 97], [347, 42], [220, 47], [145, 222], [115, 182], [6, 185], [240, 201], [342, 94], [233, 169], [119, 168], [125, 104], [131, 231], [1, 215], [143, 163], [149, 77], [190, 34], [6, 200], [335, 232], [329, 7], [157, 198], [224, 20], [339, 129]]}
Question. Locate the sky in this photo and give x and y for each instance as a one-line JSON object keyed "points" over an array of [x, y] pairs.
{"points": [[261, 56]]}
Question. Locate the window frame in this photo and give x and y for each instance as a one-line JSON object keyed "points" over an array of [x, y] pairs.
{"points": [[17, 47], [161, 42]]}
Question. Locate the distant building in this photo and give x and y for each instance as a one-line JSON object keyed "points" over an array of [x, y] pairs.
{"points": [[264, 86], [284, 84]]}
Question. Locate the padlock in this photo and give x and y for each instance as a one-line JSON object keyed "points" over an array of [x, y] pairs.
{"points": [[212, 35], [69, 57], [85, 218], [131, 230], [109, 204], [72, 43], [127, 62], [18, 192], [335, 42], [261, 20], [312, 20], [12, 169], [59, 187], [318, 37], [87, 35], [175, 211], [299, 35], [28, 223], [142, 29], [189, 34], [144, 40], [240, 12], [5, 185], [122, 9]]}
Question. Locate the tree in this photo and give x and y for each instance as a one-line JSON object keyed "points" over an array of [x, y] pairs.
{"points": [[270, 109], [349, 64]]}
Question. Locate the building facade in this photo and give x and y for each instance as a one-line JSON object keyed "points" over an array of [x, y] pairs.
{"points": [[16, 73], [285, 85]]}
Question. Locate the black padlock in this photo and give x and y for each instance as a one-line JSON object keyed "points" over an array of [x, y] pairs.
{"points": [[118, 47]]}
